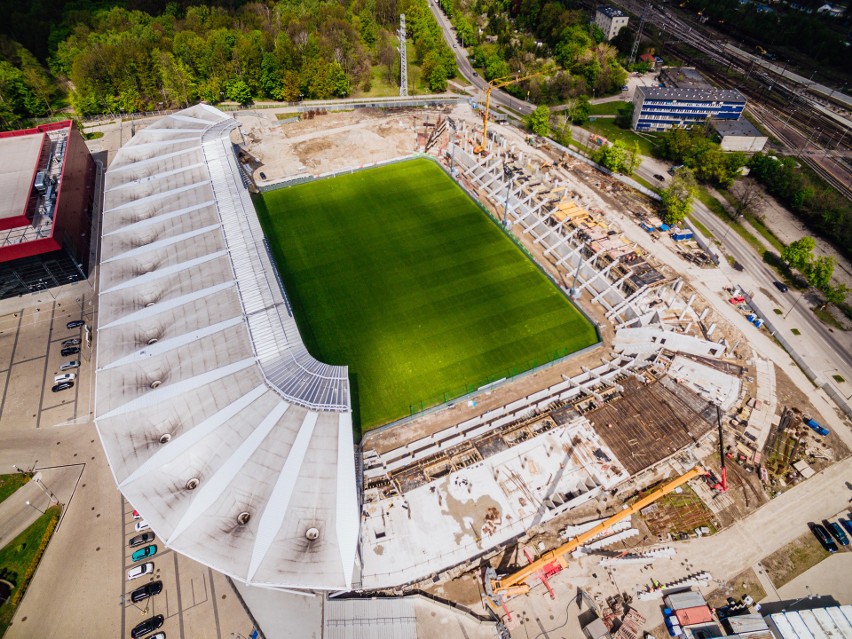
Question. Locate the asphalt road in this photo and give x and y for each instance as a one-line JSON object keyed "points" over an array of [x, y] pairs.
{"points": [[498, 96]]}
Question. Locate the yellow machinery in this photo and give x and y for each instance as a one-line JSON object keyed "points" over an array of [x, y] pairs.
{"points": [[496, 84], [554, 561]]}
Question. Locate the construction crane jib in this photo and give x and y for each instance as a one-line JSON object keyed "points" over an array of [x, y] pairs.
{"points": [[496, 83], [498, 590]]}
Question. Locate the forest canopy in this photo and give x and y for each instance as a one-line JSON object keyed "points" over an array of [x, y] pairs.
{"points": [[117, 59]]}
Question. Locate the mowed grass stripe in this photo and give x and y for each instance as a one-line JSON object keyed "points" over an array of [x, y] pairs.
{"points": [[397, 274]]}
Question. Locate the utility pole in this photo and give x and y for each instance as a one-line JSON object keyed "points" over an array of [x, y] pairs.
{"points": [[635, 48], [403, 58]]}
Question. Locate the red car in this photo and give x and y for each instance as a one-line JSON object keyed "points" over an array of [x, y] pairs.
{"points": [[737, 299]]}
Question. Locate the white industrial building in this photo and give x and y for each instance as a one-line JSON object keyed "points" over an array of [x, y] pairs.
{"points": [[610, 20], [234, 444], [739, 135]]}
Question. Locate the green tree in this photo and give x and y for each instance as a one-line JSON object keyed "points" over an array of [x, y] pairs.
{"points": [[238, 91], [835, 294], [799, 254], [819, 272], [677, 199], [539, 121]]}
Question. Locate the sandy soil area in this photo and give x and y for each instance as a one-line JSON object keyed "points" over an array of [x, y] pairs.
{"points": [[328, 142]]}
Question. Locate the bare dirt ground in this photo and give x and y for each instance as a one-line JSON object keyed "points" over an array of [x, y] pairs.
{"points": [[327, 142], [788, 228], [745, 583]]}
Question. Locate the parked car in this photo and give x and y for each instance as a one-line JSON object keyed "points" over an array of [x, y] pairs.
{"points": [[74, 341], [781, 286], [67, 366], [159, 635], [737, 299], [65, 377], [837, 532], [136, 514], [140, 571], [62, 386], [659, 177], [144, 553], [822, 535], [75, 324], [148, 590], [138, 540], [69, 350], [144, 627], [141, 525], [847, 524]]}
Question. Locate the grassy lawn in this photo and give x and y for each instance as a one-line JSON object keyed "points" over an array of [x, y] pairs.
{"points": [[827, 318], [758, 225], [398, 274], [716, 207], [701, 228], [19, 559], [607, 108], [10, 483], [606, 128], [792, 560]]}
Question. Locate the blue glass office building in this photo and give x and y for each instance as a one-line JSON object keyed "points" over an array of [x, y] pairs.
{"points": [[659, 108]]}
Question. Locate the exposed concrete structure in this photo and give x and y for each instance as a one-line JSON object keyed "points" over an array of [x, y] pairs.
{"points": [[232, 442]]}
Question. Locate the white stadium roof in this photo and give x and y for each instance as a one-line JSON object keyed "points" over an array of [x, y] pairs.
{"points": [[220, 428]]}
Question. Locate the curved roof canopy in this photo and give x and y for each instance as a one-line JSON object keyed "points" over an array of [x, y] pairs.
{"points": [[221, 429]]}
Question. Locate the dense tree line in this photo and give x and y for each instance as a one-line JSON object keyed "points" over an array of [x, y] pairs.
{"points": [[26, 89], [695, 149], [553, 38], [821, 207], [119, 59]]}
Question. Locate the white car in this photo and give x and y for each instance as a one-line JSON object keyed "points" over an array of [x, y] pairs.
{"points": [[74, 363], [140, 571], [141, 525], [65, 377]]}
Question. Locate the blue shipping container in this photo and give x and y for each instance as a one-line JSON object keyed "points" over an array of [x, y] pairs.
{"points": [[815, 426]]}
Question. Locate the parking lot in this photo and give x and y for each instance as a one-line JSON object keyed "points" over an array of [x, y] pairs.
{"points": [[81, 584], [195, 601]]}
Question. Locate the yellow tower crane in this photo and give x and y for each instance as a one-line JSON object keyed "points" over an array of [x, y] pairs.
{"points": [[496, 83], [497, 590]]}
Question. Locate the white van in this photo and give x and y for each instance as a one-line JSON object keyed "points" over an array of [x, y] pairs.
{"points": [[65, 377]]}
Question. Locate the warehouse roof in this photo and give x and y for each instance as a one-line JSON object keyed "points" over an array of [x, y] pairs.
{"points": [[18, 160], [220, 428], [736, 128]]}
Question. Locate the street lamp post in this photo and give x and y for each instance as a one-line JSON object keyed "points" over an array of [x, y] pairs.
{"points": [[794, 303], [35, 507], [46, 490]]}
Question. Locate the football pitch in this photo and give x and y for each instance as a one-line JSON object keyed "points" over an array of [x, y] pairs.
{"points": [[398, 274]]}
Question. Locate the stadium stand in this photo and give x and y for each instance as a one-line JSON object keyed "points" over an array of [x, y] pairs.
{"points": [[231, 440]]}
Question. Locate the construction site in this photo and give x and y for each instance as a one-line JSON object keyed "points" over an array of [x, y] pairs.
{"points": [[674, 430]]}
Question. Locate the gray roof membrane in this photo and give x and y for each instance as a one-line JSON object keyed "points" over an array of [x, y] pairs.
{"points": [[231, 440]]}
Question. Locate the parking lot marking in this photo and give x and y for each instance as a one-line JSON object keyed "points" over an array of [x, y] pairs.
{"points": [[180, 607], [44, 374], [11, 362], [215, 604]]}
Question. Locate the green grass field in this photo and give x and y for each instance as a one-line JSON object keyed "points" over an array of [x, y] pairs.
{"points": [[398, 274]]}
